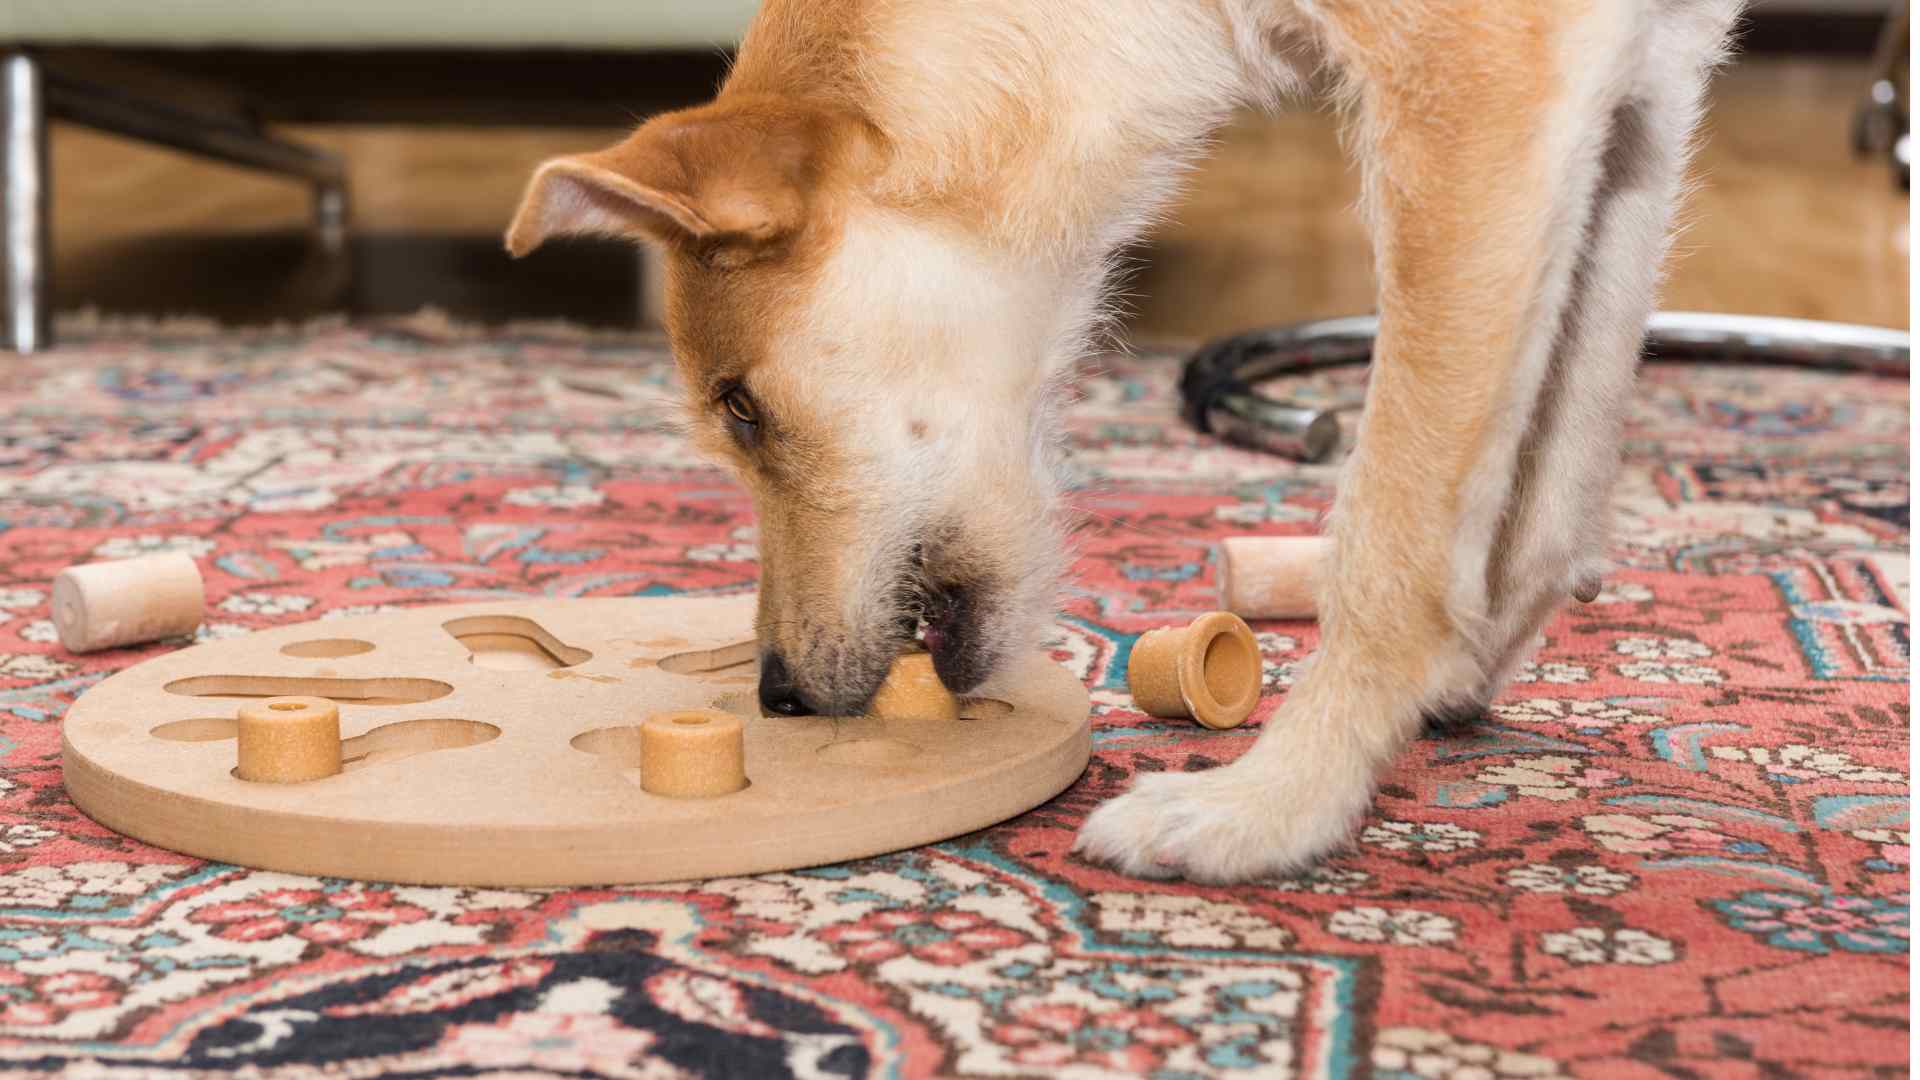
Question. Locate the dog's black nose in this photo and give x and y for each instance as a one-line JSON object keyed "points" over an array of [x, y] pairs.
{"points": [[777, 692]]}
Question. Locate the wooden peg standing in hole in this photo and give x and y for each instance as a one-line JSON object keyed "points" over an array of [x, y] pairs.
{"points": [[693, 754], [913, 691], [289, 740], [127, 601], [1209, 669]]}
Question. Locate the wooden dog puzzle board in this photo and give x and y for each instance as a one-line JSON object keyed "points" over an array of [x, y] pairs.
{"points": [[498, 744]]}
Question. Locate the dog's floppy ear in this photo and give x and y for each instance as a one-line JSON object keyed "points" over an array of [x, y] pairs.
{"points": [[728, 178]]}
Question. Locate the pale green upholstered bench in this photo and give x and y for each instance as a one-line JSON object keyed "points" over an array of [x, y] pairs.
{"points": [[107, 64]]}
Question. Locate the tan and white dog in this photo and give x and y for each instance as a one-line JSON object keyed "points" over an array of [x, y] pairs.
{"points": [[889, 235]]}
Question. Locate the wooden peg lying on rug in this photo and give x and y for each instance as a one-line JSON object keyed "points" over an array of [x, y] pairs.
{"points": [[1271, 577], [1275, 577], [127, 601], [693, 754], [1209, 670], [913, 691]]}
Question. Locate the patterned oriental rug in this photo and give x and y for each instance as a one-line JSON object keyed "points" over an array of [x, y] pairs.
{"points": [[1679, 847]]}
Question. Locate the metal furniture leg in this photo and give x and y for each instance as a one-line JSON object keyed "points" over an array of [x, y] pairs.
{"points": [[1881, 120], [217, 136], [25, 325], [31, 95]]}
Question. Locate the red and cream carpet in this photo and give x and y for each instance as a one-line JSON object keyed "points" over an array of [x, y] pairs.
{"points": [[1679, 847]]}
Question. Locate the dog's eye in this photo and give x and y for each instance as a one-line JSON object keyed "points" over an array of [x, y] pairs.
{"points": [[740, 406]]}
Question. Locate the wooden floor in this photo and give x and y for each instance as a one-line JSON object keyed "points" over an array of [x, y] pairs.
{"points": [[1784, 222]]}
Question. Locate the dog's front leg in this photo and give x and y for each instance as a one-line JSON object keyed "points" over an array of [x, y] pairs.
{"points": [[1520, 168]]}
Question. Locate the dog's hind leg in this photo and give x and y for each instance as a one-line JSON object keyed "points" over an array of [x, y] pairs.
{"points": [[1558, 515], [1521, 161]]}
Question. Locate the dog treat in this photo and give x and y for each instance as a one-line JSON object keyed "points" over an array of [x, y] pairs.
{"points": [[913, 691], [289, 740], [1208, 669], [1271, 577], [693, 753], [127, 601]]}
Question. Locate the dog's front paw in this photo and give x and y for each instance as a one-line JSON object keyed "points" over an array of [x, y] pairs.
{"points": [[1218, 826]]}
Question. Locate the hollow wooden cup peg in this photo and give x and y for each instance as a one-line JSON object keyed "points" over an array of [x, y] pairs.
{"points": [[1209, 670], [692, 753], [289, 740]]}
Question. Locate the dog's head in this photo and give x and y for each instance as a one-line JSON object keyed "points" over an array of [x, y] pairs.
{"points": [[879, 383]]}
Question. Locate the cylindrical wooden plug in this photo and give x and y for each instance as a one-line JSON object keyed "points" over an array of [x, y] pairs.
{"points": [[127, 601], [289, 740], [913, 691], [1271, 577], [693, 754], [1208, 669], [1274, 577]]}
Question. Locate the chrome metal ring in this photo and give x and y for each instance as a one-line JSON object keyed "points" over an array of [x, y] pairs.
{"points": [[1218, 384]]}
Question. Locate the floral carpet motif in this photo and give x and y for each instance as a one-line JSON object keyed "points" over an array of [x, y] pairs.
{"points": [[1677, 848]]}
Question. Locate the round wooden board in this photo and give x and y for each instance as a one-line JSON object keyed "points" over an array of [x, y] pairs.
{"points": [[496, 744]]}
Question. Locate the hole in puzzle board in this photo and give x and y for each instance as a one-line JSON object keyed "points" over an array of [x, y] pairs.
{"points": [[396, 691], [326, 648], [620, 745], [734, 659], [984, 708], [511, 643]]}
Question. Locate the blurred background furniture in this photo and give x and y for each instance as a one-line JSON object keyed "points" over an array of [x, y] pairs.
{"points": [[1880, 123], [214, 79]]}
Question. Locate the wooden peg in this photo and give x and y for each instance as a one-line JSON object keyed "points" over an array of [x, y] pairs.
{"points": [[289, 740], [693, 754], [127, 601], [913, 691], [1271, 577], [1209, 670]]}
